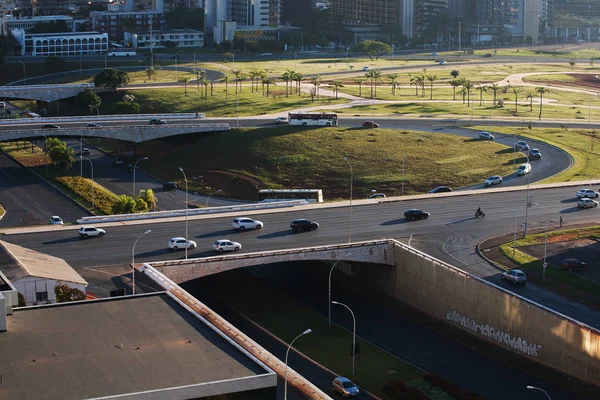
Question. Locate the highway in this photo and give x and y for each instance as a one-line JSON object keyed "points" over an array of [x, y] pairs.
{"points": [[450, 234]]}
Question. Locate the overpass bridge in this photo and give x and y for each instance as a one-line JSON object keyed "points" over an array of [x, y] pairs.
{"points": [[440, 290], [45, 93], [129, 133]]}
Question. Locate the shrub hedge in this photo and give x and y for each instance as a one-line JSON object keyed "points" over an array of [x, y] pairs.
{"points": [[401, 391], [103, 198], [452, 389]]}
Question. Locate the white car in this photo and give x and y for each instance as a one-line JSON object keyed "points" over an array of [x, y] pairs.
{"points": [[366, 68], [90, 231], [515, 276], [266, 54], [521, 146], [434, 53], [493, 180], [587, 193], [222, 245], [587, 203], [281, 120], [181, 243], [242, 224], [486, 136], [2, 104], [443, 62], [56, 220], [524, 169]]}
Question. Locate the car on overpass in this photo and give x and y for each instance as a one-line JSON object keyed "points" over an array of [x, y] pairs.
{"points": [[241, 224], [587, 193], [415, 213], [156, 121], [92, 125], [85, 151], [177, 243], [376, 196], [169, 186], [493, 180], [50, 126], [56, 220], [90, 231], [587, 203], [515, 276], [303, 225], [370, 124], [222, 245]]}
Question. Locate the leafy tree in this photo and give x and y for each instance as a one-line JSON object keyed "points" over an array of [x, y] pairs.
{"points": [[298, 78], [60, 153], [141, 205], [65, 294], [125, 107], [572, 63], [372, 48], [541, 90], [286, 76], [129, 98], [592, 60], [88, 99], [200, 76], [317, 81], [228, 56], [455, 73], [149, 198], [151, 72], [184, 80], [468, 86], [111, 79], [415, 81]]}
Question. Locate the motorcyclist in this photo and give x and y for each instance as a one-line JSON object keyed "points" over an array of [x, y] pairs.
{"points": [[479, 211]]}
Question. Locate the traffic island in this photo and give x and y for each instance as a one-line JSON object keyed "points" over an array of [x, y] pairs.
{"points": [[527, 254]]}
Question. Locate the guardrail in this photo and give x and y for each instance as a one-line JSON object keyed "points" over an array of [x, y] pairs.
{"points": [[50, 132], [182, 213], [55, 86], [118, 117]]}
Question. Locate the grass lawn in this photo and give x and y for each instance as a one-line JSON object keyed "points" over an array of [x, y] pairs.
{"points": [[293, 157], [557, 278], [565, 78], [2, 211], [327, 346], [572, 51], [581, 144], [219, 105]]}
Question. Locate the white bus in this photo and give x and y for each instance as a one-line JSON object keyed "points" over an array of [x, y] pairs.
{"points": [[310, 195], [315, 119], [121, 53]]}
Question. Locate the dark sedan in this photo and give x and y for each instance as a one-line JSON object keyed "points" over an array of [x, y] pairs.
{"points": [[415, 213], [303, 225], [573, 264], [440, 189], [157, 122]]}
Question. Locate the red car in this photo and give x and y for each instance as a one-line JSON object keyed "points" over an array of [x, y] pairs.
{"points": [[573, 264], [370, 124]]}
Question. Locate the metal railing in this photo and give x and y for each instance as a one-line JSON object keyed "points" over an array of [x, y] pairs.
{"points": [[190, 212], [66, 131], [118, 117], [45, 87]]}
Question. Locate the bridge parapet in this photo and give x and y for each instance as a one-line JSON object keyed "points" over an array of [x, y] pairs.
{"points": [[378, 252]]}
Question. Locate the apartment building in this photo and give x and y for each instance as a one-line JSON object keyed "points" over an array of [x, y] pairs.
{"points": [[253, 19], [115, 23], [181, 37], [10, 22], [365, 12]]}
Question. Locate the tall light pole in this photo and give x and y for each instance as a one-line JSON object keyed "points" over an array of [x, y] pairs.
{"points": [[81, 156], [134, 165], [24, 76], [459, 35], [544, 265], [46, 152], [85, 158], [350, 213], [353, 332], [306, 332], [186, 211], [211, 195], [541, 390], [176, 71], [133, 260], [527, 204], [329, 302]]}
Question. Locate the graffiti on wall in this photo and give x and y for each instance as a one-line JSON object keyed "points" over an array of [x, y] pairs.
{"points": [[515, 343]]}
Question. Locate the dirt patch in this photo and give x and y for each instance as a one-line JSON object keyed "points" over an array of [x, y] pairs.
{"points": [[562, 238], [582, 81]]}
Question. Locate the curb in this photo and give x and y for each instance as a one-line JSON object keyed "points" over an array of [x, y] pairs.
{"points": [[50, 184], [302, 354]]}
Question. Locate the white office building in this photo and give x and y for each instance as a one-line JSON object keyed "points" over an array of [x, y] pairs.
{"points": [[62, 44], [10, 22], [253, 19], [181, 37]]}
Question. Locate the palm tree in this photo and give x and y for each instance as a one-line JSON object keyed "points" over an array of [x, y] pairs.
{"points": [[236, 73], [482, 89], [541, 90], [463, 93], [200, 74], [205, 82], [572, 63], [494, 88], [422, 80], [286, 78], [414, 81], [262, 75], [336, 86], [298, 78], [431, 79], [393, 82], [530, 97], [317, 81], [377, 76], [226, 78], [517, 92], [241, 79], [468, 87], [369, 75], [455, 83], [360, 81], [253, 75], [268, 82], [184, 80]]}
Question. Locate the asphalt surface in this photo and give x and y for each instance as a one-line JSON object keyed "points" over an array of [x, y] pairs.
{"points": [[451, 234], [29, 200]]}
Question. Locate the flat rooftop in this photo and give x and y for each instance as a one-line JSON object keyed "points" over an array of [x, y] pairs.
{"points": [[117, 346]]}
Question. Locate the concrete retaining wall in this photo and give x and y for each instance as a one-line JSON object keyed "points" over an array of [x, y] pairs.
{"points": [[493, 314]]}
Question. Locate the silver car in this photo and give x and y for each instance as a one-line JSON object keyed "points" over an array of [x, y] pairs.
{"points": [[222, 245], [515, 276], [587, 193], [486, 136], [181, 243], [241, 224]]}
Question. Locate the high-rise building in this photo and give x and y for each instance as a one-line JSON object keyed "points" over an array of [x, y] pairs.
{"points": [[248, 19], [293, 12], [366, 12]]}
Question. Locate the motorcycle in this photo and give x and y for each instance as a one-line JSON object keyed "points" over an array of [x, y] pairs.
{"points": [[479, 214]]}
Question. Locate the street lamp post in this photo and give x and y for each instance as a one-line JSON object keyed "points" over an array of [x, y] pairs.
{"points": [[133, 260], [306, 332], [544, 265], [186, 210], [541, 390], [46, 152], [350, 213], [211, 195], [353, 332], [527, 204], [81, 156], [85, 158], [329, 303], [134, 165], [176, 71], [24, 76]]}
